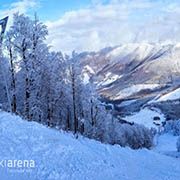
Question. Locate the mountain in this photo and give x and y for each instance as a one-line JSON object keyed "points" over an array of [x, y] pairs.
{"points": [[59, 155], [133, 74]]}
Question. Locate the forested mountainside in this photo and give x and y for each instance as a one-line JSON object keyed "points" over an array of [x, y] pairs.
{"points": [[135, 75]]}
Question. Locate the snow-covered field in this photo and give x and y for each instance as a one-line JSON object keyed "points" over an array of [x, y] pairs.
{"points": [[59, 155], [135, 89], [145, 116]]}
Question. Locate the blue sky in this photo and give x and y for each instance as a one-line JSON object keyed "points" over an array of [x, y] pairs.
{"points": [[94, 24], [53, 9]]}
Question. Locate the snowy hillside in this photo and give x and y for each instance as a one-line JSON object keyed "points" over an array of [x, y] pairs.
{"points": [[123, 66], [174, 95], [136, 75], [137, 51], [145, 116], [134, 89], [59, 155]]}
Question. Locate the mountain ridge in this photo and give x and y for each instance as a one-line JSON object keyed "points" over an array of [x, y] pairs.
{"points": [[139, 71]]}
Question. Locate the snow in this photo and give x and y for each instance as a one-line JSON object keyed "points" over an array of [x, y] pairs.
{"points": [[109, 78], [86, 78], [145, 116], [138, 51], [174, 95], [177, 45], [142, 50], [127, 103], [86, 73], [60, 156], [89, 69], [134, 89], [166, 144]]}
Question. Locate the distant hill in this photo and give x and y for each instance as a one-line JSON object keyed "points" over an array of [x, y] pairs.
{"points": [[140, 72]]}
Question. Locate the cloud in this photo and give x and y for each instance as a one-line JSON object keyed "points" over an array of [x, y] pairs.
{"points": [[109, 24], [22, 6], [87, 29]]}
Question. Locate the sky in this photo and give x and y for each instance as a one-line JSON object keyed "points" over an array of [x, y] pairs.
{"points": [[90, 25]]}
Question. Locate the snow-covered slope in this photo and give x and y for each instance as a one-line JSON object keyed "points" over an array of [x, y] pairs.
{"points": [[135, 75], [145, 116], [166, 144], [59, 155], [136, 51], [131, 64], [174, 95], [127, 92]]}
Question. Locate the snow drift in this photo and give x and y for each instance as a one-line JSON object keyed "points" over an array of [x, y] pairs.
{"points": [[58, 155]]}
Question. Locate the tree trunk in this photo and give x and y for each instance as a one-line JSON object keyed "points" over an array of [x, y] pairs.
{"points": [[92, 114], [27, 90], [74, 104], [68, 120], [13, 84]]}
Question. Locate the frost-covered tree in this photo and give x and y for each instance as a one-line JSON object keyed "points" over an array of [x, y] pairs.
{"points": [[48, 87], [4, 84], [173, 126], [12, 61], [135, 136], [25, 40], [21, 40], [57, 95], [87, 112], [37, 58]]}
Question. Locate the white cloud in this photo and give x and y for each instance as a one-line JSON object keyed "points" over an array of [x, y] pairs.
{"points": [[88, 29], [115, 23], [108, 24], [21, 6]]}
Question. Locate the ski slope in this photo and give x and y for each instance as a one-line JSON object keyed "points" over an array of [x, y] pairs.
{"points": [[145, 116], [174, 95], [59, 156]]}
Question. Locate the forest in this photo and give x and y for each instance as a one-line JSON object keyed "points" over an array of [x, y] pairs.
{"points": [[41, 85]]}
